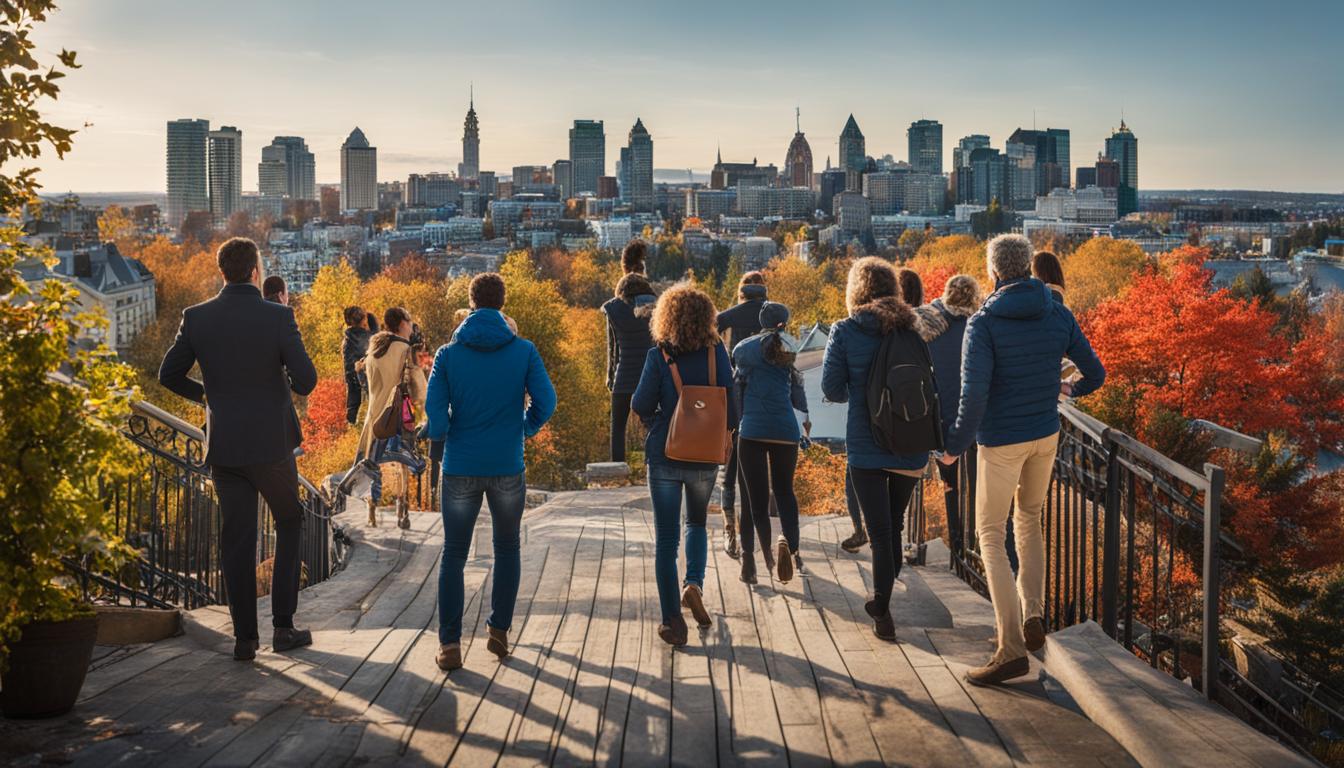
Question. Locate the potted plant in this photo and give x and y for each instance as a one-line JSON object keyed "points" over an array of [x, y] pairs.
{"points": [[59, 441]]}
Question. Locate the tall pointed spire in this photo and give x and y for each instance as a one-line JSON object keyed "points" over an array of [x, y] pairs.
{"points": [[797, 120], [471, 94], [718, 153]]}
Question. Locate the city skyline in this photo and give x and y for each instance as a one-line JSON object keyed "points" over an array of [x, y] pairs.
{"points": [[317, 75]]}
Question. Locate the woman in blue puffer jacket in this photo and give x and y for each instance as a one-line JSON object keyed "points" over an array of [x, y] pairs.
{"points": [[770, 389], [883, 482]]}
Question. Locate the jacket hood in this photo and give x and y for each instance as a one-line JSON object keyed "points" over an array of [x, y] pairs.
{"points": [[958, 310], [381, 340], [930, 321], [1023, 299], [357, 332], [644, 304], [882, 316], [753, 292], [485, 330]]}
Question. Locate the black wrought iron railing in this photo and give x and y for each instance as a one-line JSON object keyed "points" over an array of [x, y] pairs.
{"points": [[170, 516], [1133, 541]]}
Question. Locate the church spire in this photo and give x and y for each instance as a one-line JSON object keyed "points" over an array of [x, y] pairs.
{"points": [[797, 120]]}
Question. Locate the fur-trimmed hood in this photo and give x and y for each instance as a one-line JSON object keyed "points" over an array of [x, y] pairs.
{"points": [[933, 317], [882, 316]]}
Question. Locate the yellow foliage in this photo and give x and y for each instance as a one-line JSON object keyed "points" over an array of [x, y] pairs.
{"points": [[1100, 269], [962, 253], [320, 318], [805, 291]]}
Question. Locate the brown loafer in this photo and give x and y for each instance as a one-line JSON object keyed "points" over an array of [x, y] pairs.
{"points": [[498, 643], [1033, 630], [784, 560], [692, 599], [998, 671], [674, 632], [450, 657]]}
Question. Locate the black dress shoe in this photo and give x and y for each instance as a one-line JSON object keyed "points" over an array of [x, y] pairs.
{"points": [[289, 638], [244, 649]]}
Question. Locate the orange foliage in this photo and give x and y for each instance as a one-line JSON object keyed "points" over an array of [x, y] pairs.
{"points": [[819, 482], [324, 420]]}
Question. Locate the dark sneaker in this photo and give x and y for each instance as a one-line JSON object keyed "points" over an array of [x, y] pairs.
{"points": [[785, 560], [768, 557], [674, 632], [884, 626], [288, 639], [692, 599], [855, 542], [498, 643], [244, 650], [450, 657], [748, 570], [1033, 630], [730, 545], [798, 563], [998, 671]]}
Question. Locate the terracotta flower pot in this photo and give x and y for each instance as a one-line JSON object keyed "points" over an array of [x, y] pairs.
{"points": [[47, 666]]}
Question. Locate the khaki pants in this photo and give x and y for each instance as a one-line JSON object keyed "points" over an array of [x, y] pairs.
{"points": [[1021, 469]]}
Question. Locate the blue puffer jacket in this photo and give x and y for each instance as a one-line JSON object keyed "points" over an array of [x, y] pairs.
{"points": [[476, 393], [769, 394], [944, 328], [1010, 367], [849, 354], [655, 399]]}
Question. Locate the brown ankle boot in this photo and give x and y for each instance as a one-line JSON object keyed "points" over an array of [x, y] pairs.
{"points": [[498, 643], [450, 657], [373, 513], [998, 670]]}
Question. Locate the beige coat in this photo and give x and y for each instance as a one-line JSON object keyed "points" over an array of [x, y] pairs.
{"points": [[384, 374]]}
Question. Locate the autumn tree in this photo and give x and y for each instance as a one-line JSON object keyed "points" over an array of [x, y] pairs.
{"points": [[801, 288], [116, 226], [320, 319], [1100, 269]]}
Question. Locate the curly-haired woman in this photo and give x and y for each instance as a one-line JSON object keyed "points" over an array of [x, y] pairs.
{"points": [[883, 481], [684, 336]]}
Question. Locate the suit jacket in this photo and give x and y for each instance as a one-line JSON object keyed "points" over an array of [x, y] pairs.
{"points": [[251, 358]]}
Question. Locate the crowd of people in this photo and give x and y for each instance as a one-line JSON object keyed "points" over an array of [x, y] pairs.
{"points": [[963, 380]]}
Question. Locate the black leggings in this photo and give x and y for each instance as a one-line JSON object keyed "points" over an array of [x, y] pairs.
{"points": [[883, 497], [765, 466], [620, 417]]}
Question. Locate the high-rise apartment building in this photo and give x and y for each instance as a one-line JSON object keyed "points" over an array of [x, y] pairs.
{"points": [[273, 172], [798, 160], [963, 182], [925, 138], [470, 167], [188, 179], [637, 169], [300, 167], [853, 154], [359, 173], [226, 173], [562, 174], [587, 155], [1123, 148]]}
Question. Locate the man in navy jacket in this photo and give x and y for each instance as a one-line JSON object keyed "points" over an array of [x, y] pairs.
{"points": [[1010, 390]]}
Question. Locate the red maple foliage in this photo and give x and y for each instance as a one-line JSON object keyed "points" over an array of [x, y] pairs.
{"points": [[325, 417]]}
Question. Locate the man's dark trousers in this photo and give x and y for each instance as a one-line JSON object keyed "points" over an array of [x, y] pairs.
{"points": [[238, 489]]}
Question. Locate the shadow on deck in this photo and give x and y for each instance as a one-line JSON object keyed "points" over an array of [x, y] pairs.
{"points": [[787, 671]]}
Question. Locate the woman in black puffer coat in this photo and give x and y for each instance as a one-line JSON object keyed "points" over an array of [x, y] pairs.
{"points": [[628, 343]]}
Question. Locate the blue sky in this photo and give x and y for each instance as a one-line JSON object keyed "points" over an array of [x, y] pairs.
{"points": [[1225, 95]]}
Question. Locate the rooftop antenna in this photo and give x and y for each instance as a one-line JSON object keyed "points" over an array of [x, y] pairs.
{"points": [[797, 119], [471, 94]]}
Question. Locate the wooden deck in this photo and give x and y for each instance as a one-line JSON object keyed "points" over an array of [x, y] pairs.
{"points": [[787, 672]]}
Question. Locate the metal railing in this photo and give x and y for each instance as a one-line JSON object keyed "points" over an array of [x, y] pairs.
{"points": [[1133, 541], [170, 516]]}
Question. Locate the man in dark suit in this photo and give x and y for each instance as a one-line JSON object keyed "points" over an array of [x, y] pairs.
{"points": [[251, 357]]}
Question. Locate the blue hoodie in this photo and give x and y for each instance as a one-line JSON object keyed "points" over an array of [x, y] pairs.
{"points": [[477, 390], [1010, 367]]}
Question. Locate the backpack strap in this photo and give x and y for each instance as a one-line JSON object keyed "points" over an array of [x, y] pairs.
{"points": [[672, 366]]}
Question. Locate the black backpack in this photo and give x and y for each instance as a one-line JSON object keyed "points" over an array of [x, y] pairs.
{"points": [[902, 399]]}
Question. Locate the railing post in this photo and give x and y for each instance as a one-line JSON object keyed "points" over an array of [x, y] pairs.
{"points": [[1213, 500], [1110, 543]]}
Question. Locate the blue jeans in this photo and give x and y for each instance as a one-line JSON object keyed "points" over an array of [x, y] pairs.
{"points": [[461, 502], [666, 484]]}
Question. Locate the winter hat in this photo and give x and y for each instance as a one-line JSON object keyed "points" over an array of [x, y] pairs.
{"points": [[773, 315]]}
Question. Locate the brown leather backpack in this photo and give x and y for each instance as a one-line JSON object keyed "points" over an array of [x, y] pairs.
{"points": [[699, 428]]}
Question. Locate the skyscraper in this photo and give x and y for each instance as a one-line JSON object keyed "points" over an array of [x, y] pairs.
{"points": [[587, 155], [853, 154], [470, 167], [226, 173], [798, 160], [963, 181], [637, 169], [1051, 158], [926, 146], [1123, 148], [300, 165], [273, 172], [562, 173], [187, 177], [359, 173]]}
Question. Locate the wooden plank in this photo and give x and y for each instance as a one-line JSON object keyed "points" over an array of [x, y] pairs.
{"points": [[718, 641], [632, 626], [647, 737]]}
